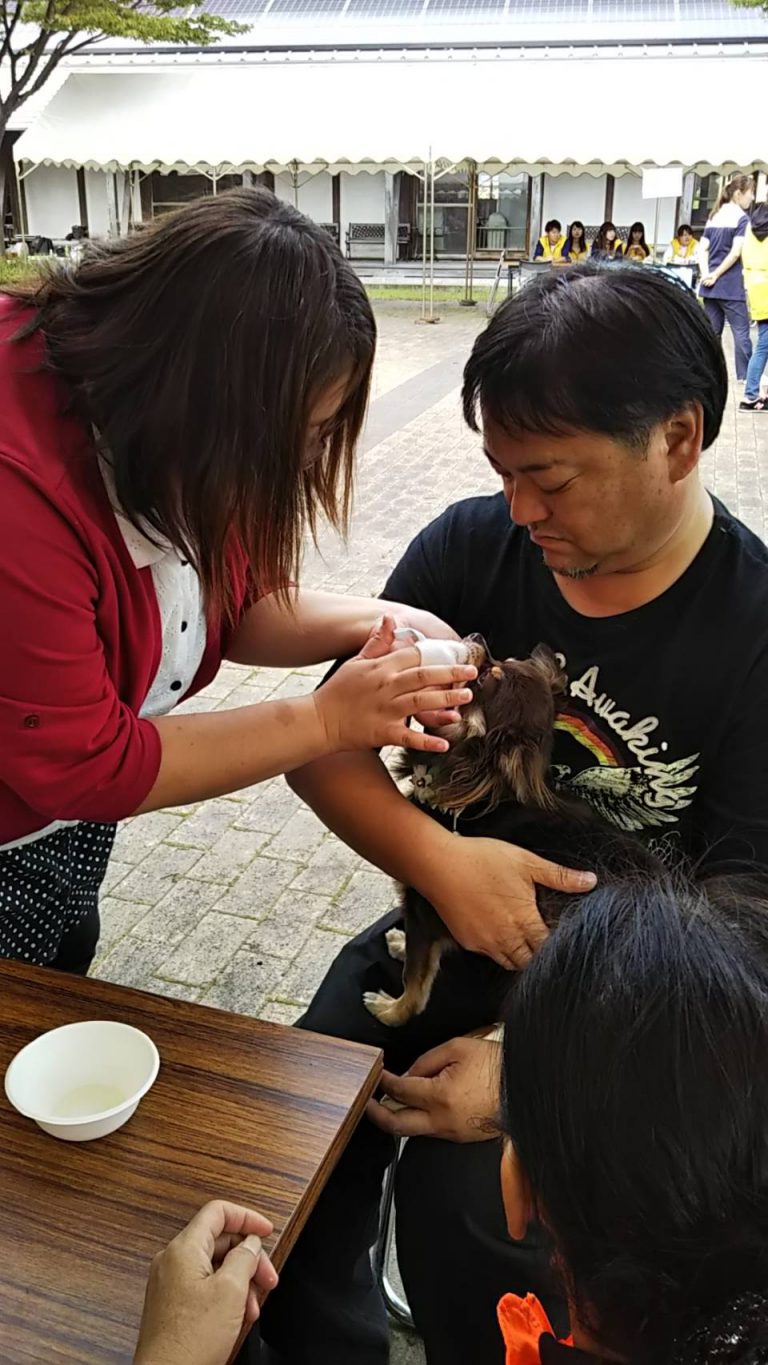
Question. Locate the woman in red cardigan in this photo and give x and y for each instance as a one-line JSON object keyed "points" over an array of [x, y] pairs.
{"points": [[173, 416]]}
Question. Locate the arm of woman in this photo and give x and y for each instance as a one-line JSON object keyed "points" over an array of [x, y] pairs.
{"points": [[73, 749], [731, 259], [313, 627]]}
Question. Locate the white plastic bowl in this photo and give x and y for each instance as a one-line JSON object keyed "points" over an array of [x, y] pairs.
{"points": [[83, 1081]]}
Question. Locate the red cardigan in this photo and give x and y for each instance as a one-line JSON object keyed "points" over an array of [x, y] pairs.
{"points": [[80, 636]]}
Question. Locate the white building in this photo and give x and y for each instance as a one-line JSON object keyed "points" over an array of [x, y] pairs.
{"points": [[520, 109]]}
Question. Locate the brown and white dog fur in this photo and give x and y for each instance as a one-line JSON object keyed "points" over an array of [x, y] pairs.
{"points": [[493, 783]]}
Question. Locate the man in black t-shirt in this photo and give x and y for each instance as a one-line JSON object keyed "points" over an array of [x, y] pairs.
{"points": [[597, 390]]}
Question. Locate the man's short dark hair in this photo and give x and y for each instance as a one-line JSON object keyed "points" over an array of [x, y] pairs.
{"points": [[601, 347], [552, 224]]}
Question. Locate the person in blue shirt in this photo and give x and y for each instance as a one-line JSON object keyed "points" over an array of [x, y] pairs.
{"points": [[722, 278]]}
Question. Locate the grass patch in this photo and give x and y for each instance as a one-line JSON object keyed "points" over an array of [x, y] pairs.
{"points": [[14, 269], [412, 293]]}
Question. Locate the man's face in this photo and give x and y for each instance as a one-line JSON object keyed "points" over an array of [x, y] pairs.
{"points": [[591, 504], [554, 236]]}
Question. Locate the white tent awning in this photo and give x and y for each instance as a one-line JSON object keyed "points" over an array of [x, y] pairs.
{"points": [[560, 113]]}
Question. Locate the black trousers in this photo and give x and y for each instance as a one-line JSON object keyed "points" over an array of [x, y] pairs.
{"points": [[78, 946], [455, 1257]]}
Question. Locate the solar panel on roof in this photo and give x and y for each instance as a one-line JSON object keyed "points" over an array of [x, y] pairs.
{"points": [[469, 5], [240, 8], [307, 7], [374, 8]]}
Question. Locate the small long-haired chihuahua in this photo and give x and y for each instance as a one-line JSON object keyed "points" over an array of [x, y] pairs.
{"points": [[493, 783]]}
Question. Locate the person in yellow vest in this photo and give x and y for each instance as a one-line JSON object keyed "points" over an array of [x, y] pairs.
{"points": [[682, 249], [607, 243], [576, 249], [754, 262], [550, 246]]}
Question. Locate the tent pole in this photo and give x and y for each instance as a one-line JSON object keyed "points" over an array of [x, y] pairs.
{"points": [[432, 242], [469, 267], [424, 245]]}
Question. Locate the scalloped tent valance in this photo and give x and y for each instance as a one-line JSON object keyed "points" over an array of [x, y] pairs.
{"points": [[571, 115]]}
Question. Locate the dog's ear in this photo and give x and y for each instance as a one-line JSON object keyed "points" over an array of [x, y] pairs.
{"points": [[486, 771], [550, 668], [523, 773]]}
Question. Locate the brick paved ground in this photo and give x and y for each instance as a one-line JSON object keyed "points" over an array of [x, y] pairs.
{"points": [[244, 901]]}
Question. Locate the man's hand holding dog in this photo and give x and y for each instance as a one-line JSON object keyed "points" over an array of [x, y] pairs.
{"points": [[451, 1092], [485, 892]]}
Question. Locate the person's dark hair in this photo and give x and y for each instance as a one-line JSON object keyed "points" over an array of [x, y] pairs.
{"points": [[635, 1094], [551, 225], [609, 348], [577, 223], [740, 184], [639, 228], [684, 227], [196, 347], [600, 245]]}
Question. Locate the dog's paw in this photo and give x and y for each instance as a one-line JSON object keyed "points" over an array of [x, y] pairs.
{"points": [[396, 944], [383, 1007]]}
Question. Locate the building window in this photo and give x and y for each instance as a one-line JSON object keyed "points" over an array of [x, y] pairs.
{"points": [[171, 190], [706, 192], [502, 211]]}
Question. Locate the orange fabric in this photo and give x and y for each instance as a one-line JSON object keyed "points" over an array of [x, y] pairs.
{"points": [[523, 1322]]}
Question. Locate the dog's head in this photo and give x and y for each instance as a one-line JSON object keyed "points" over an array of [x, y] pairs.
{"points": [[501, 747]]}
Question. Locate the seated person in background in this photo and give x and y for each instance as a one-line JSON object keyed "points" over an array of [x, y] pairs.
{"points": [[576, 249], [607, 242], [682, 249], [637, 248], [550, 246], [635, 1105], [597, 387]]}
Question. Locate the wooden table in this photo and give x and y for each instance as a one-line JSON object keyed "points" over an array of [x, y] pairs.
{"points": [[241, 1110]]}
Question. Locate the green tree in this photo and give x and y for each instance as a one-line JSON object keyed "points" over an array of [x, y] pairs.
{"points": [[36, 35], [751, 4]]}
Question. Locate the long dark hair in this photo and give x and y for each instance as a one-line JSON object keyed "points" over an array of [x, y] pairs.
{"points": [[600, 244], [637, 227], [569, 239], [636, 1098], [196, 347]]}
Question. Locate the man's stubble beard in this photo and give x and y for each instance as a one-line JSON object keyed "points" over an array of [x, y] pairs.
{"points": [[576, 574]]}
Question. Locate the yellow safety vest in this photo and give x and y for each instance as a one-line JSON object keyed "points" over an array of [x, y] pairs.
{"points": [[578, 253], [636, 253], [686, 252], [551, 253], [754, 260]]}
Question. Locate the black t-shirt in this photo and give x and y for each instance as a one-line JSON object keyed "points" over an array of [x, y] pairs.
{"points": [[665, 731]]}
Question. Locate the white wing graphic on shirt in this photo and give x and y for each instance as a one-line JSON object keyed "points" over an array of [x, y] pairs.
{"points": [[633, 798]]}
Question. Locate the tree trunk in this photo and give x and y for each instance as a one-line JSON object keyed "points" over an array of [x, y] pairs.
{"points": [[2, 200]]}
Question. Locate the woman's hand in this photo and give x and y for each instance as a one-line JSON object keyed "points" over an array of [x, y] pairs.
{"points": [[709, 280], [486, 896], [366, 703], [205, 1288], [451, 1092]]}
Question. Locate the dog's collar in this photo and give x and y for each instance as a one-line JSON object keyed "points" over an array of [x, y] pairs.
{"points": [[423, 776]]}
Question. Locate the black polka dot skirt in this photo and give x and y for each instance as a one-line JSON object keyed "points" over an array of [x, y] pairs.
{"points": [[48, 886]]}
